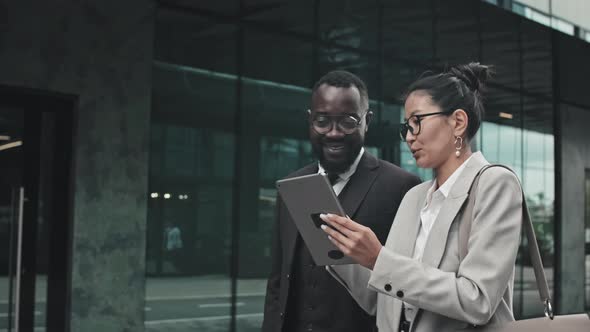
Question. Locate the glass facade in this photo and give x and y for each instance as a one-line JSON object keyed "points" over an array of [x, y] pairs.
{"points": [[231, 84], [587, 239]]}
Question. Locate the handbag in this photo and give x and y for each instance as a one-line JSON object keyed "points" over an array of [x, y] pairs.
{"points": [[549, 323]]}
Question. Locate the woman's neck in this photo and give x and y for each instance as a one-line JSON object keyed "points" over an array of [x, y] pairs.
{"points": [[444, 171]]}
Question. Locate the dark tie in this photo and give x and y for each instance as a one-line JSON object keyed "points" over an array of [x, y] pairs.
{"points": [[333, 178]]}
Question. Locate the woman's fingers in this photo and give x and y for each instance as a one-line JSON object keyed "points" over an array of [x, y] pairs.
{"points": [[345, 222], [353, 239], [338, 245], [339, 227], [336, 235]]}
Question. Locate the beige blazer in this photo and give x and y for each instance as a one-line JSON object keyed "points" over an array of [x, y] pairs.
{"points": [[449, 294]]}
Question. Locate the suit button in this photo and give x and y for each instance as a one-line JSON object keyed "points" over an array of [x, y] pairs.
{"points": [[288, 276], [399, 294], [387, 287], [282, 315]]}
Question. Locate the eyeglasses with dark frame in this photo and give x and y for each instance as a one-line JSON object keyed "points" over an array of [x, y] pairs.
{"points": [[346, 123], [413, 124]]}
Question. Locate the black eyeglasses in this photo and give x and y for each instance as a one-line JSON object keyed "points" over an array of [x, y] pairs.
{"points": [[346, 124], [413, 124]]}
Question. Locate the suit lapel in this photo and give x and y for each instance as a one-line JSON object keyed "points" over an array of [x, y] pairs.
{"points": [[359, 184], [436, 244], [407, 223]]}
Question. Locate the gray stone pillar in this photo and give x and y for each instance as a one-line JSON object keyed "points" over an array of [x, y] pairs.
{"points": [[102, 52], [575, 159]]}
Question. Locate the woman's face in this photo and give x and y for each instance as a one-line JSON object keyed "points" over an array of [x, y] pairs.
{"points": [[434, 144]]}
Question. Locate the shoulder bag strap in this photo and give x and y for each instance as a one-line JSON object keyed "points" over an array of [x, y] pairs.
{"points": [[465, 230]]}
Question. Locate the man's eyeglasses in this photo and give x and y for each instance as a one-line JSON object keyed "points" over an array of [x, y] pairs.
{"points": [[346, 124], [413, 124]]}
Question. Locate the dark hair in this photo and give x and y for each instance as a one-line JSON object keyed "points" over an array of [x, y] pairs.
{"points": [[344, 79], [459, 87]]}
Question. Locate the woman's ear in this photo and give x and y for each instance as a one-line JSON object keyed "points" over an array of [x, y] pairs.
{"points": [[461, 122]]}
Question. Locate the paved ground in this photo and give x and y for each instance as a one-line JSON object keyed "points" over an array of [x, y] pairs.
{"points": [[203, 303]]}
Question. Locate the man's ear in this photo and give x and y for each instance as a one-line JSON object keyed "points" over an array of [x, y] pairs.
{"points": [[369, 118]]}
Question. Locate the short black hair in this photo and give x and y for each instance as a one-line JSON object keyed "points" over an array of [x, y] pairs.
{"points": [[459, 87], [344, 79]]}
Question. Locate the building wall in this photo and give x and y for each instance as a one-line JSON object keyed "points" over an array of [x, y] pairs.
{"points": [[575, 159], [101, 52]]}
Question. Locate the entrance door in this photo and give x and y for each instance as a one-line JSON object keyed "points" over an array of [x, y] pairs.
{"points": [[35, 163]]}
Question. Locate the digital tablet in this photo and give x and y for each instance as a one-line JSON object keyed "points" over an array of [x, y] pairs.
{"points": [[306, 197]]}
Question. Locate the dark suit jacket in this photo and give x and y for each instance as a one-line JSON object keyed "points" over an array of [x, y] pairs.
{"points": [[371, 197]]}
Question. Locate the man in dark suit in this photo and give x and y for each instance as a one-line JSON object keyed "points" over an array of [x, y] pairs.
{"points": [[300, 295]]}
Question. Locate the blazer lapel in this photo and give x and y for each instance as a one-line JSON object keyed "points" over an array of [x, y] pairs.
{"points": [[407, 223], [436, 244], [359, 184]]}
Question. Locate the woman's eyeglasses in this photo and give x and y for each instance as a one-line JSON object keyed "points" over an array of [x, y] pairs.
{"points": [[413, 124]]}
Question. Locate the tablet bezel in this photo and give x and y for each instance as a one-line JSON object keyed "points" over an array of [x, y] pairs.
{"points": [[309, 195]]}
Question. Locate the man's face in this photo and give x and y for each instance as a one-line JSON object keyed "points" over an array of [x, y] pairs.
{"points": [[335, 149]]}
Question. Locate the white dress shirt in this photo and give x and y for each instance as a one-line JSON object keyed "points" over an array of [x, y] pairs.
{"points": [[435, 199], [343, 178]]}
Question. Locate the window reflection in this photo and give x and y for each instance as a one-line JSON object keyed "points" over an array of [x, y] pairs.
{"points": [[194, 128], [191, 179]]}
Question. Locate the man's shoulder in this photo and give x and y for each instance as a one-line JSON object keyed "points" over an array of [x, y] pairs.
{"points": [[394, 170], [305, 170]]}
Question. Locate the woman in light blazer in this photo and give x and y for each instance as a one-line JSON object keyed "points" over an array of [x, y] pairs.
{"points": [[416, 281]]}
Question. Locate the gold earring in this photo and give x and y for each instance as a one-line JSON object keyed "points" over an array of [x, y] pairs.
{"points": [[458, 148]]}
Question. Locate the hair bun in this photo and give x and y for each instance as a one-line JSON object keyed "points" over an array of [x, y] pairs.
{"points": [[473, 74]]}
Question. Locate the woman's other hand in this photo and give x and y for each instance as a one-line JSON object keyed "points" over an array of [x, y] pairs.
{"points": [[353, 239]]}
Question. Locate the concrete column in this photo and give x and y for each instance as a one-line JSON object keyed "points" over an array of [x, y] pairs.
{"points": [[575, 159], [102, 52]]}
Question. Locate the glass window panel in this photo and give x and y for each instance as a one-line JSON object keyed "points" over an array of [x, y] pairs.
{"points": [[500, 45], [349, 23], [218, 8], [563, 26], [457, 39], [275, 98], [183, 38], [193, 125], [278, 158], [362, 65], [384, 132], [501, 138], [397, 76], [537, 16], [572, 86], [408, 30], [537, 63], [294, 18], [191, 177], [266, 55]]}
